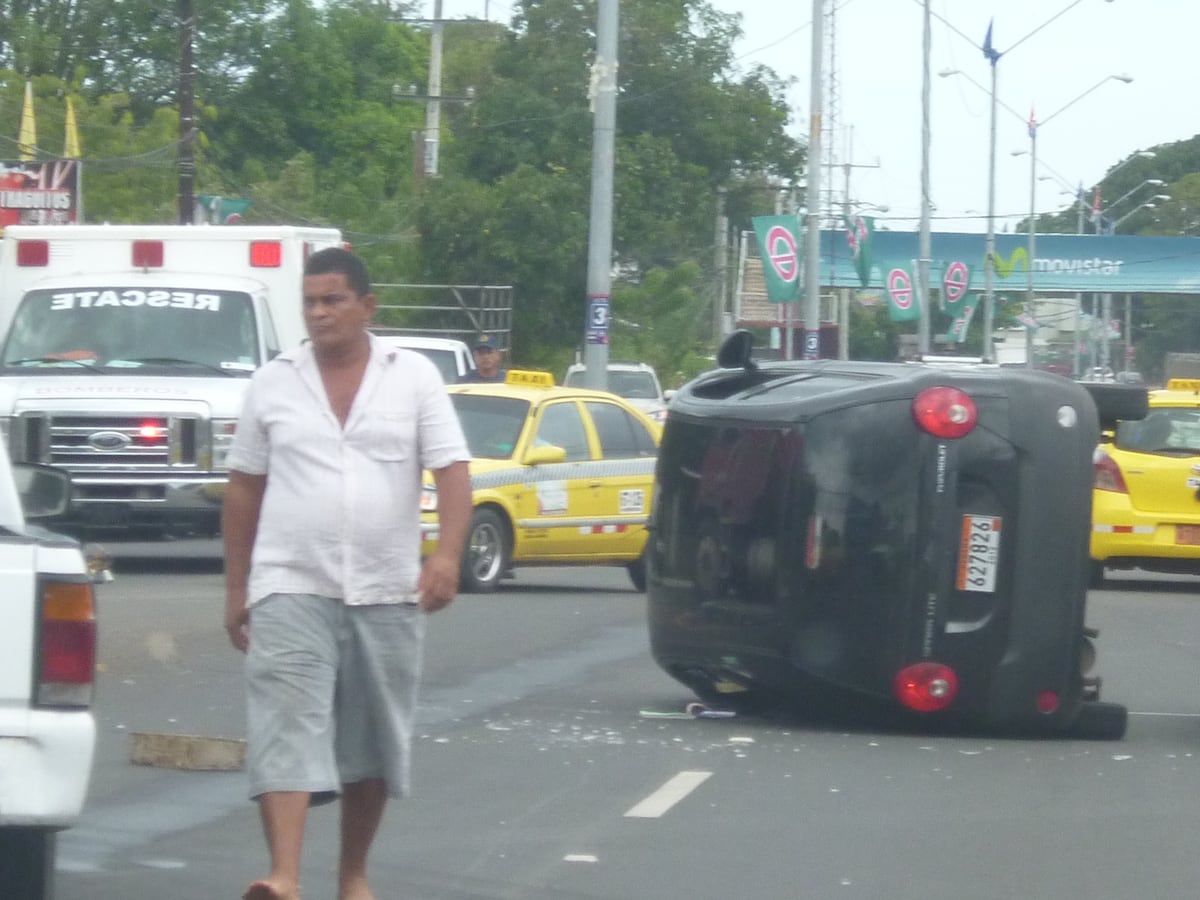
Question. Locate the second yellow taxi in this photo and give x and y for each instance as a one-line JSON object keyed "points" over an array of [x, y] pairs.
{"points": [[1146, 497], [559, 476]]}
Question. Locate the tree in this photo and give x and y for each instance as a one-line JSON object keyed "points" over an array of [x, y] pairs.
{"points": [[685, 126]]}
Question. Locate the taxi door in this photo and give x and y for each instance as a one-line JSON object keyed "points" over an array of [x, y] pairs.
{"points": [[623, 477], [563, 492]]}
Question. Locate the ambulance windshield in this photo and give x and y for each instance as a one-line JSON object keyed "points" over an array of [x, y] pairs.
{"points": [[124, 327]]}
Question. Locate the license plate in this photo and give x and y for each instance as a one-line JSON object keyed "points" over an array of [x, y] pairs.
{"points": [[1187, 534], [979, 553]]}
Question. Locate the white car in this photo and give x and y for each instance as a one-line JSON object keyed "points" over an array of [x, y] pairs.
{"points": [[47, 672], [635, 381], [452, 357]]}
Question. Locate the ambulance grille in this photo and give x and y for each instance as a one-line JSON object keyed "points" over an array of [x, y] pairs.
{"points": [[88, 443]]}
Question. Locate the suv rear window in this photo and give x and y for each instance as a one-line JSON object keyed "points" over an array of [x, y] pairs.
{"points": [[632, 384]]}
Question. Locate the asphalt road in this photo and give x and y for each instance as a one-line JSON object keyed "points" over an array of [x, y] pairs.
{"points": [[539, 775]]}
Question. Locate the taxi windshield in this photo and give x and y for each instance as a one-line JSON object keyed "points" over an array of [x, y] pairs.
{"points": [[492, 425], [124, 327]]}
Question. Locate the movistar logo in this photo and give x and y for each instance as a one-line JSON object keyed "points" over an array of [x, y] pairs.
{"points": [[1005, 267], [1055, 265]]}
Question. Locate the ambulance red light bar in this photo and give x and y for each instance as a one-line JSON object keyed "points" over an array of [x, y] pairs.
{"points": [[266, 254], [33, 253], [147, 254]]}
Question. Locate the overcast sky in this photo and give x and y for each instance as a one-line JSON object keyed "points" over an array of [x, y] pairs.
{"points": [[1058, 56], [1060, 50]]}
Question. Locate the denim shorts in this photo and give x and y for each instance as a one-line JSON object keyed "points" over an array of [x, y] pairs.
{"points": [[331, 694]]}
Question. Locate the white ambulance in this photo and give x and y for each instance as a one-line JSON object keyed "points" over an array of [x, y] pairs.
{"points": [[126, 352]]}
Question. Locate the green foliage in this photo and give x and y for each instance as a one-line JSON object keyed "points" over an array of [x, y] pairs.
{"points": [[872, 333], [663, 321]]}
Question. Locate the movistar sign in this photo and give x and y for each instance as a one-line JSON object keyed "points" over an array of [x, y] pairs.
{"points": [[1064, 262]]}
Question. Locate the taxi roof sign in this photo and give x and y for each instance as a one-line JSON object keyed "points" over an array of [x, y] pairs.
{"points": [[1183, 384], [529, 378]]}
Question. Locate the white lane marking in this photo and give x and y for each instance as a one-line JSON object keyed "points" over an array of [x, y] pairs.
{"points": [[581, 857], [676, 788], [1166, 715]]}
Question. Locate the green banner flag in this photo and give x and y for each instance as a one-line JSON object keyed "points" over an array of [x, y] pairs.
{"points": [[901, 296], [780, 245], [962, 310], [859, 230], [223, 210]]}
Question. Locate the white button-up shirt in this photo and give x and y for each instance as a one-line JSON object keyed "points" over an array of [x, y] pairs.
{"points": [[341, 513]]}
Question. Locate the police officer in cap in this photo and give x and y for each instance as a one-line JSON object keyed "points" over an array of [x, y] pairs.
{"points": [[486, 351]]}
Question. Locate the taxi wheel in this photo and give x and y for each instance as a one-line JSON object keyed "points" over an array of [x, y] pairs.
{"points": [[1095, 574], [487, 555]]}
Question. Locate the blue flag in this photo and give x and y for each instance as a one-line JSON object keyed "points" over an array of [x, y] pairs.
{"points": [[990, 53]]}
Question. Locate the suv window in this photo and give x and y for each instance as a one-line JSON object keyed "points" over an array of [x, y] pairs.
{"points": [[633, 385]]}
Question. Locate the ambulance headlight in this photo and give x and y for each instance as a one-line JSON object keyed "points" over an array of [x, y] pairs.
{"points": [[428, 498]]}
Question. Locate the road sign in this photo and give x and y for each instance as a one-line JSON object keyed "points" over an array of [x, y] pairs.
{"points": [[812, 344], [597, 319]]}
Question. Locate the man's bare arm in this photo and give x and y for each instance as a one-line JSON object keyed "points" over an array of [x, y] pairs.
{"points": [[440, 573], [239, 525]]}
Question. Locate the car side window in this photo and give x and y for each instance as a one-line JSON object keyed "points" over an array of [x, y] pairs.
{"points": [[562, 426], [621, 435]]}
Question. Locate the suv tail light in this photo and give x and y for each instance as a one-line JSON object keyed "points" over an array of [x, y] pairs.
{"points": [[66, 662], [944, 412], [925, 686], [1106, 474]]}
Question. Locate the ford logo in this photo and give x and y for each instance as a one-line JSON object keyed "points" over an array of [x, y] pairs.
{"points": [[109, 440]]}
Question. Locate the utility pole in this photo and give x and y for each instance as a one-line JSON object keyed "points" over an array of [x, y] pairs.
{"points": [[812, 226], [603, 93], [433, 106], [721, 281], [924, 251], [187, 78]]}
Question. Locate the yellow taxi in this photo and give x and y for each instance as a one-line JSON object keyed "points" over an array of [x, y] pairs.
{"points": [[559, 476], [1146, 493]]}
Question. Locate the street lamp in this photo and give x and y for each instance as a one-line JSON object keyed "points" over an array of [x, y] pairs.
{"points": [[1102, 214], [1034, 125], [992, 55], [1082, 202], [1149, 204]]}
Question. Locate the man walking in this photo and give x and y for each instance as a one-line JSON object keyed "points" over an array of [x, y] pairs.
{"points": [[325, 589]]}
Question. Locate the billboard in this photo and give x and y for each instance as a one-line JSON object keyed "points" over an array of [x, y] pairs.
{"points": [[42, 192]]}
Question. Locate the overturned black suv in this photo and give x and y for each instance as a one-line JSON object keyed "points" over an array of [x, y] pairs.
{"points": [[912, 535]]}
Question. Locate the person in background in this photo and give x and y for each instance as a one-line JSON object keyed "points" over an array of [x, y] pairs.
{"points": [[486, 351], [325, 589]]}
